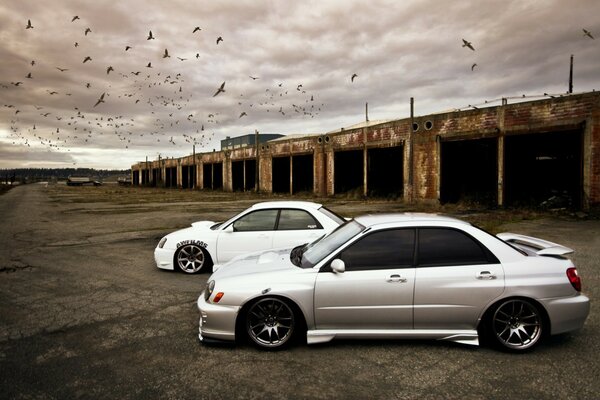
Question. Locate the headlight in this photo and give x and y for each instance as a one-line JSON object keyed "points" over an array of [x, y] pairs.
{"points": [[162, 242], [210, 286]]}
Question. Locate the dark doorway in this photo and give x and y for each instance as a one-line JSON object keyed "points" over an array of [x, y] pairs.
{"points": [[250, 174], [185, 171], [136, 177], [281, 175], [213, 176], [348, 171], [237, 176], [469, 171], [385, 171], [171, 177], [544, 169], [302, 173], [156, 178], [145, 176]]}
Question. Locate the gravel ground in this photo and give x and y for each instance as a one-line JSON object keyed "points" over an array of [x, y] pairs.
{"points": [[84, 312]]}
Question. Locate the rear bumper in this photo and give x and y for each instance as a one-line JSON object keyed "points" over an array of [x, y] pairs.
{"points": [[217, 322], [567, 314]]}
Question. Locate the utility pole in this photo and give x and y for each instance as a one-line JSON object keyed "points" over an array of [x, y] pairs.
{"points": [[367, 112], [410, 149], [256, 174], [571, 76]]}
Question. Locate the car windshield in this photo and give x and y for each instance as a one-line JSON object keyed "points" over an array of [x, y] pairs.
{"points": [[319, 249]]}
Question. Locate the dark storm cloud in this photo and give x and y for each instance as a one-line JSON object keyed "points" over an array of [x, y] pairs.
{"points": [[398, 50]]}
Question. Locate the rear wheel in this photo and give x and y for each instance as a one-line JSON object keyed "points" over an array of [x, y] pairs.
{"points": [[192, 259], [270, 323], [516, 325]]}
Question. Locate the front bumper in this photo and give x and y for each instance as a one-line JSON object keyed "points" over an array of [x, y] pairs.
{"points": [[567, 314], [216, 321], [164, 258]]}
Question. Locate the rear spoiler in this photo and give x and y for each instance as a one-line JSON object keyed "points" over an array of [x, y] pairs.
{"points": [[540, 247]]}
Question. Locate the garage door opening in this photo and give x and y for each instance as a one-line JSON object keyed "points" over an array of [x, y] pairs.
{"points": [[188, 176], [212, 176], [348, 171], [385, 167], [469, 171], [281, 174], [544, 170], [156, 178], [136, 177], [302, 173], [171, 177], [243, 175]]}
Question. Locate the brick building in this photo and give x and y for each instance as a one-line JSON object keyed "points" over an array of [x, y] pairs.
{"points": [[512, 154]]}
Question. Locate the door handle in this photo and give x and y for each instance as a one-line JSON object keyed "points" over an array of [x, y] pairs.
{"points": [[486, 275], [396, 278]]}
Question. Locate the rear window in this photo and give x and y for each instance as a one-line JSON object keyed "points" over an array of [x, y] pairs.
{"points": [[442, 246], [340, 220]]}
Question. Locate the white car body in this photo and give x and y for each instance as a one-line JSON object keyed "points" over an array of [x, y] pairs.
{"points": [[216, 244]]}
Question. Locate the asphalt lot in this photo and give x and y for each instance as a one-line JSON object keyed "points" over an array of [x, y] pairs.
{"points": [[84, 313]]}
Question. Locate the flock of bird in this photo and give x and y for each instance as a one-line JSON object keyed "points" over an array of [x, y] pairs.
{"points": [[163, 93], [172, 115]]}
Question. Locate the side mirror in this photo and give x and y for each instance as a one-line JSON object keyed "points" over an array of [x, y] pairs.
{"points": [[229, 229], [338, 266]]}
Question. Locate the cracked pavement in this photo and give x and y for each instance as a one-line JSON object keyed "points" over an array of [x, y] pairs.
{"points": [[84, 313]]}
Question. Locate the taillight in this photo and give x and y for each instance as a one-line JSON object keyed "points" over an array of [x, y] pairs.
{"points": [[574, 278]]}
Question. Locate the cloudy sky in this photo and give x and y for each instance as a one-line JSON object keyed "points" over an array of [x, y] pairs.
{"points": [[287, 67]]}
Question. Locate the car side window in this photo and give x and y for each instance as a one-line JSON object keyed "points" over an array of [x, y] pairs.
{"points": [[262, 220], [444, 246], [387, 249], [296, 220]]}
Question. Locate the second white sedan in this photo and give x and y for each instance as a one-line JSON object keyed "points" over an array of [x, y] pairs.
{"points": [[263, 226]]}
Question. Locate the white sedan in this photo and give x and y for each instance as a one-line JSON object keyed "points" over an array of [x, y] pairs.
{"points": [[263, 226]]}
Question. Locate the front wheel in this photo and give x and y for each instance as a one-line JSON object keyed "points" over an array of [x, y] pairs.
{"points": [[516, 325], [192, 259], [270, 323]]}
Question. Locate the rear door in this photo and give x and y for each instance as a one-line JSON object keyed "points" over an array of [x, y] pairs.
{"points": [[296, 227], [456, 277], [376, 289]]}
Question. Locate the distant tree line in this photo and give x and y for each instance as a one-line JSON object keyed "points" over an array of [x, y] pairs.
{"points": [[27, 175]]}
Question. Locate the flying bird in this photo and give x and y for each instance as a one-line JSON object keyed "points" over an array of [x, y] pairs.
{"points": [[587, 33], [150, 36], [353, 76], [100, 100], [166, 54], [127, 48], [219, 39], [110, 68], [149, 65], [253, 77], [74, 18], [473, 66], [468, 44], [220, 90], [62, 69], [182, 59], [29, 26], [29, 75], [88, 85], [298, 87], [76, 44], [32, 63], [88, 58], [87, 30], [196, 29], [242, 114], [197, 55]]}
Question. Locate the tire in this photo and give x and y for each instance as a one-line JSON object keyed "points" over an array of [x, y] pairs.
{"points": [[270, 323], [192, 259], [515, 325]]}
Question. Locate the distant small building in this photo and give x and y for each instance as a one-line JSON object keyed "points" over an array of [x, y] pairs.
{"points": [[247, 140]]}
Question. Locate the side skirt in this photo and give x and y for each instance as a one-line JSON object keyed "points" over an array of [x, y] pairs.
{"points": [[459, 336]]}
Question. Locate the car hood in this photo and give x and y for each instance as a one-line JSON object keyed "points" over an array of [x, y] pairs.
{"points": [[262, 261], [200, 226]]}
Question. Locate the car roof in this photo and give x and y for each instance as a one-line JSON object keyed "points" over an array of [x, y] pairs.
{"points": [[399, 218], [286, 204]]}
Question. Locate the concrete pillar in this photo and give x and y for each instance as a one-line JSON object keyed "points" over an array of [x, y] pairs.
{"points": [[291, 174]]}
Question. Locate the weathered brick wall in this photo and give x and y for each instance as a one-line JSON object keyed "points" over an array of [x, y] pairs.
{"points": [[547, 115]]}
